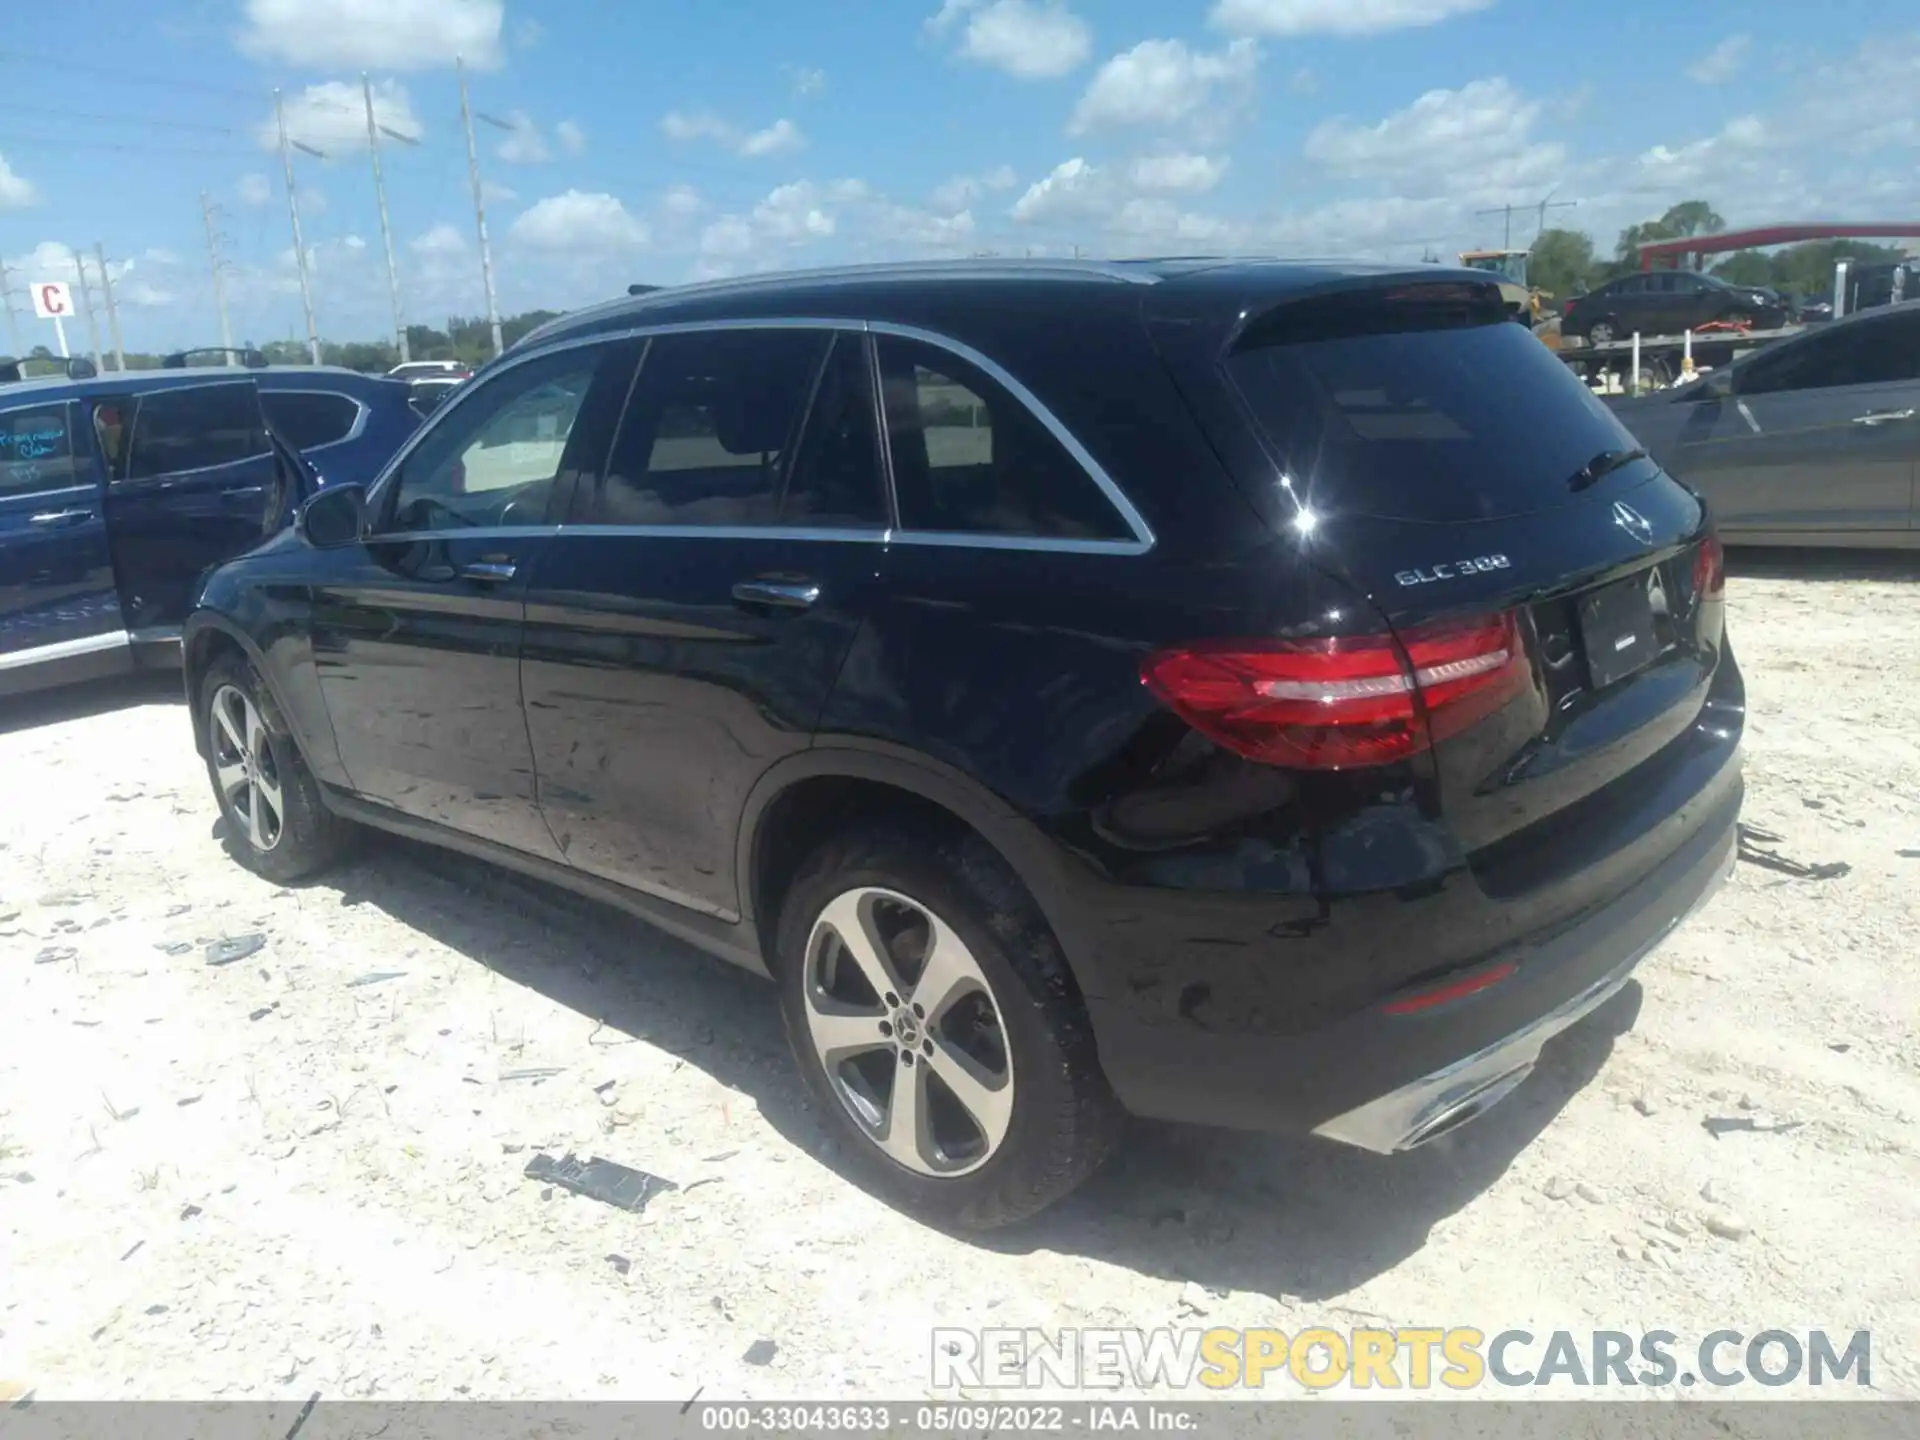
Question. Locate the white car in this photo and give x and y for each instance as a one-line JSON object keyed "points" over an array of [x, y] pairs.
{"points": [[430, 370]]}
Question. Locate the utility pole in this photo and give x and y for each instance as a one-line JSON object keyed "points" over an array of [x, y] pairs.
{"points": [[219, 282], [113, 314], [386, 226], [293, 213], [1506, 241], [86, 306], [479, 208], [13, 320], [1547, 202]]}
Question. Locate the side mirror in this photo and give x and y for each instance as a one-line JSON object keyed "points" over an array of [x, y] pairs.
{"points": [[334, 518], [80, 369]]}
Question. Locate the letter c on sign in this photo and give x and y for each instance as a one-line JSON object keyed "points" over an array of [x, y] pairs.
{"points": [[50, 299]]}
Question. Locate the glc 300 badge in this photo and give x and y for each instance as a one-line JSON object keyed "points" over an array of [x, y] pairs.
{"points": [[1451, 570]]}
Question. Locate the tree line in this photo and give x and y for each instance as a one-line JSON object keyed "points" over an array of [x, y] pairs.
{"points": [[1564, 262]]}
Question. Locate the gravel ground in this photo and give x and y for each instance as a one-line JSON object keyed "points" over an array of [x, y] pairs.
{"points": [[301, 1171]]}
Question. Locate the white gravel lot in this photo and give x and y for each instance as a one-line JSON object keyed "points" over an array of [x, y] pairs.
{"points": [[266, 1180]]}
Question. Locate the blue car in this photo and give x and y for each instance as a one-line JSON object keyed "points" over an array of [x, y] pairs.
{"points": [[118, 491]]}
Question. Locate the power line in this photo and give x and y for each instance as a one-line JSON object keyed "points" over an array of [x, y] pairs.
{"points": [[146, 121], [65, 65], [61, 142]]}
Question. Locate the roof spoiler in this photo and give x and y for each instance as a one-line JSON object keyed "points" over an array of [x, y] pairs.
{"points": [[643, 289]]}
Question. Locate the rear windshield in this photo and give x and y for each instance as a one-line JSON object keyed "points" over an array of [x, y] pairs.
{"points": [[1458, 417]]}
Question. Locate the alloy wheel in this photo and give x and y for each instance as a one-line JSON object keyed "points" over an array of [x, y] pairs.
{"points": [[908, 1031], [244, 768], [1601, 333]]}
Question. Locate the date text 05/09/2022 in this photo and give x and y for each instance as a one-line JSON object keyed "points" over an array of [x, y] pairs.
{"points": [[946, 1419]]}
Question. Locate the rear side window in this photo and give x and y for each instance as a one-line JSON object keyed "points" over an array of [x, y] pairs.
{"points": [[36, 450], [310, 418], [1884, 350], [1382, 404], [195, 428], [969, 458], [709, 428]]}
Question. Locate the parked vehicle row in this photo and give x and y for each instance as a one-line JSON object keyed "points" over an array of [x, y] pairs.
{"points": [[118, 491], [1266, 695]]}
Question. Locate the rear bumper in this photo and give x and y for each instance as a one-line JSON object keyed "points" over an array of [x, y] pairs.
{"points": [[1386, 1082]]}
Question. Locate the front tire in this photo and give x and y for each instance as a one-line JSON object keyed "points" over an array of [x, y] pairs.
{"points": [[278, 827], [1600, 332], [934, 1017]]}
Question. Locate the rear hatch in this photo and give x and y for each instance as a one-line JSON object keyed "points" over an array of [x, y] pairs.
{"points": [[1448, 467]]}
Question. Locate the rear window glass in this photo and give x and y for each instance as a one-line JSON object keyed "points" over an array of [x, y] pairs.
{"points": [[310, 418], [1449, 423]]}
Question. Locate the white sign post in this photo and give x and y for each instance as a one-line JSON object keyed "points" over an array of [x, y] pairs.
{"points": [[51, 301]]}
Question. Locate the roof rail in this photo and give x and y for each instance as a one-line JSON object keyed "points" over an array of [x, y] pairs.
{"points": [[979, 268]]}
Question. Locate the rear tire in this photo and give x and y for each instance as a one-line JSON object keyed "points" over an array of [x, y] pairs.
{"points": [[1600, 332], [908, 961], [278, 826]]}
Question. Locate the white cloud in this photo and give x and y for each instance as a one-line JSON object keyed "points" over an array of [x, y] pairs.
{"points": [[780, 136], [444, 239], [1476, 139], [373, 34], [254, 189], [527, 33], [682, 201], [524, 145], [578, 221], [571, 137], [1188, 174], [727, 236], [962, 190], [313, 200], [1718, 158], [1030, 39], [50, 260], [332, 117], [1336, 17], [808, 80], [1722, 62], [16, 191], [494, 193], [793, 212], [776, 139], [1162, 82]]}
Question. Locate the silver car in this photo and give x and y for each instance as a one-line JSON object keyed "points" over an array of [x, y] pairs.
{"points": [[1814, 440]]}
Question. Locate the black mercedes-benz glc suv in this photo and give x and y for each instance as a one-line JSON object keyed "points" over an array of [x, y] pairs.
{"points": [[1252, 693]]}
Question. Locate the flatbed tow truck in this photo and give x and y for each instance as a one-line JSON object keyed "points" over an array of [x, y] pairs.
{"points": [[1663, 357]]}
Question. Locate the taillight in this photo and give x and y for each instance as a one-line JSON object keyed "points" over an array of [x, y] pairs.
{"points": [[1710, 569], [1343, 701]]}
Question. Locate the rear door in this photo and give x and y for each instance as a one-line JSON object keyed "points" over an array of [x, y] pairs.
{"points": [[57, 596], [1820, 435], [194, 483], [686, 626]]}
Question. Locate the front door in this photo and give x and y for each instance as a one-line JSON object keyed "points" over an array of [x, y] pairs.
{"points": [[194, 482], [686, 628], [1821, 434], [416, 635], [58, 602]]}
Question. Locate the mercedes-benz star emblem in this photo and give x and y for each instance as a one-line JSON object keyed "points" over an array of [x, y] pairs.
{"points": [[1633, 522]]}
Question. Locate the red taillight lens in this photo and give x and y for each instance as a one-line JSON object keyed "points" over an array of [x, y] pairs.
{"points": [[1343, 701], [1710, 569]]}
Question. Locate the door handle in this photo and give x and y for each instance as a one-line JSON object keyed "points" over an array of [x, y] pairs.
{"points": [[60, 517], [1883, 417], [787, 592], [489, 572]]}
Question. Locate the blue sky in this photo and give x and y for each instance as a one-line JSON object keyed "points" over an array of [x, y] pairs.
{"points": [[660, 143]]}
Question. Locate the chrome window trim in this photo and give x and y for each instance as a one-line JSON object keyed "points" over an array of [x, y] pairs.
{"points": [[354, 431], [1143, 537], [1143, 541]]}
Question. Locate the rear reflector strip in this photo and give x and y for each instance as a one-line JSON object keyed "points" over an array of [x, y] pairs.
{"points": [[1455, 990]]}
